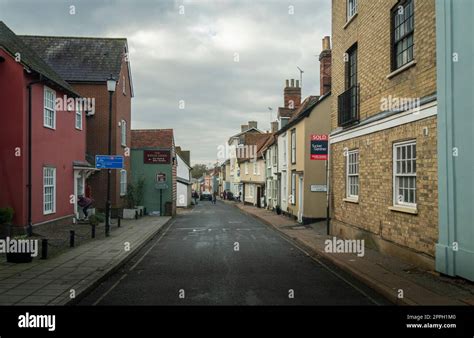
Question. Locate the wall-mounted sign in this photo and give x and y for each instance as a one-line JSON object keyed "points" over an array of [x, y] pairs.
{"points": [[156, 156], [319, 188], [109, 162], [319, 147]]}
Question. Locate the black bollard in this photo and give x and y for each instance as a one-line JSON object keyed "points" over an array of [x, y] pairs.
{"points": [[136, 214], [71, 238], [118, 221], [92, 230], [44, 248]]}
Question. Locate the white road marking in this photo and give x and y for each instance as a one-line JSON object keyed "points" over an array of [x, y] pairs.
{"points": [[108, 291], [154, 244]]}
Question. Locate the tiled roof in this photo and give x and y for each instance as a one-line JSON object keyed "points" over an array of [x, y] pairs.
{"points": [[257, 140], [80, 59], [152, 138], [13, 44], [308, 102]]}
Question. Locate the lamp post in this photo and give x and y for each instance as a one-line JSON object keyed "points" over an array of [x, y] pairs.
{"points": [[111, 83]]}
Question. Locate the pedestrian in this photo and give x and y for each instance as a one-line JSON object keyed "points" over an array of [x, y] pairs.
{"points": [[214, 197], [195, 196], [224, 195], [85, 203]]}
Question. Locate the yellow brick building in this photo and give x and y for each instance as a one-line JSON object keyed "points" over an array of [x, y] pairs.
{"points": [[383, 140]]}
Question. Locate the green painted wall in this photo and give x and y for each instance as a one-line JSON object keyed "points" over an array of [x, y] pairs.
{"points": [[455, 63], [151, 199]]}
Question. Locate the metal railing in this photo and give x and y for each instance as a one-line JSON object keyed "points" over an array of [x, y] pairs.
{"points": [[348, 106]]}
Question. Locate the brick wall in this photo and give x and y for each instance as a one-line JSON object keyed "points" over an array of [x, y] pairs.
{"points": [[370, 29]]}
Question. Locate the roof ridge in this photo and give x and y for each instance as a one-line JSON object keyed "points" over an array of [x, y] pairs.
{"points": [[70, 37]]}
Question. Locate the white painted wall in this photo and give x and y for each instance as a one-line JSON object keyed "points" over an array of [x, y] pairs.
{"points": [[282, 168]]}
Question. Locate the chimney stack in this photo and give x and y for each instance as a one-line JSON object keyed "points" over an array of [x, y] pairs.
{"points": [[292, 94], [274, 125], [325, 67], [244, 127], [252, 124]]}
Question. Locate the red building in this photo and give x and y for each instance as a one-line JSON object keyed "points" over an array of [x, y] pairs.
{"points": [[42, 145], [86, 64]]}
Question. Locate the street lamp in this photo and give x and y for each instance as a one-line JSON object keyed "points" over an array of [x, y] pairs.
{"points": [[111, 84]]}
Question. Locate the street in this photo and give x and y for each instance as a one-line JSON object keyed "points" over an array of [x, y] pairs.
{"points": [[217, 255]]}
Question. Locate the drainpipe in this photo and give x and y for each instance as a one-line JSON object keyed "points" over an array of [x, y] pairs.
{"points": [[30, 224]]}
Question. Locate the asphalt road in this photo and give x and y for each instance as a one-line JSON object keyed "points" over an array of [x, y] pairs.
{"points": [[217, 255]]}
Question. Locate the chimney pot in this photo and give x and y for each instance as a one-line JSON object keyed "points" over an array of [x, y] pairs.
{"points": [[297, 83], [292, 82], [327, 43], [287, 83]]}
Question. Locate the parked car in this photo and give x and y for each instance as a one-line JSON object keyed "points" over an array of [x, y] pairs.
{"points": [[206, 196], [230, 196]]}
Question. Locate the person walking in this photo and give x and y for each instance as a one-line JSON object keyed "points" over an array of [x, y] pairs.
{"points": [[214, 197]]}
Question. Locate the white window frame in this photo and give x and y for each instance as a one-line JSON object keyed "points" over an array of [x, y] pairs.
{"points": [[123, 182], [255, 167], [407, 163], [285, 157], [284, 185], [275, 190], [352, 174], [293, 188], [251, 191], [246, 168], [293, 146], [51, 184], [351, 9], [123, 133], [269, 158], [78, 114], [275, 156], [49, 109]]}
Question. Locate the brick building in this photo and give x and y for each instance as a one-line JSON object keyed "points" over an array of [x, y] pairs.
{"points": [[86, 64], [383, 121]]}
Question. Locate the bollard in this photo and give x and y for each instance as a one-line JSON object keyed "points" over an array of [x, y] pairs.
{"points": [[71, 238], [136, 214], [118, 221], [93, 231], [44, 248]]}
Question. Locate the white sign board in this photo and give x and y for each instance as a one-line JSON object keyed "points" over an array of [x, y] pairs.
{"points": [[318, 188]]}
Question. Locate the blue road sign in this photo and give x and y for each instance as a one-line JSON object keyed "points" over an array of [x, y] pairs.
{"points": [[109, 162]]}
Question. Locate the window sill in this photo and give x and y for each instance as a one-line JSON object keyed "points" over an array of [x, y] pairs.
{"points": [[351, 200], [349, 21], [407, 210], [401, 69]]}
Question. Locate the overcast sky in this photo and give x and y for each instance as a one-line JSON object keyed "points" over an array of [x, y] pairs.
{"points": [[192, 57]]}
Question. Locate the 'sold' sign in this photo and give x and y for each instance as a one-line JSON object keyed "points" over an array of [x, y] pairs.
{"points": [[319, 147], [156, 156]]}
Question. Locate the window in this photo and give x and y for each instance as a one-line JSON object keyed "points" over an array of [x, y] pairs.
{"points": [[255, 167], [49, 190], [284, 152], [403, 27], [49, 108], [348, 102], [269, 158], [404, 174], [352, 172], [293, 146], [251, 191], [123, 182], [293, 188], [284, 185], [246, 168], [275, 189], [123, 130], [351, 8], [79, 117]]}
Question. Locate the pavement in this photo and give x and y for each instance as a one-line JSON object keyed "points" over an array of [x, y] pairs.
{"points": [[387, 275], [217, 255], [65, 278]]}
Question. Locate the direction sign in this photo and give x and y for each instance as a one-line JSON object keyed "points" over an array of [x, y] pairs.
{"points": [[109, 162], [319, 147]]}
